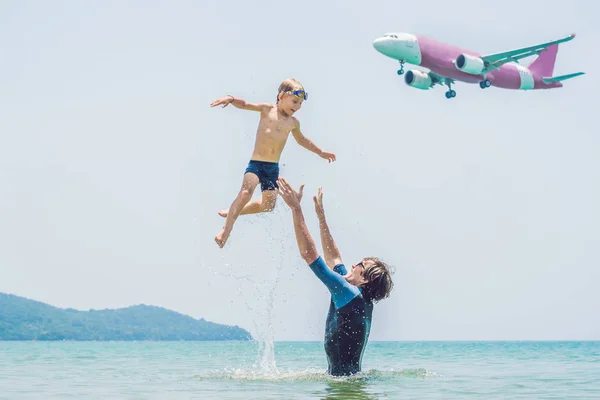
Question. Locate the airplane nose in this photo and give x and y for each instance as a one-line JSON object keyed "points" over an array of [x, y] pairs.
{"points": [[379, 44]]}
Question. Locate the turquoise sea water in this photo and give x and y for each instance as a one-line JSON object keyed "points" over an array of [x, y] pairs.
{"points": [[296, 370]]}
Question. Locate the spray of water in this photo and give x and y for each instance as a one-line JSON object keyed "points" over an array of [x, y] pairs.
{"points": [[274, 234], [265, 362], [318, 375]]}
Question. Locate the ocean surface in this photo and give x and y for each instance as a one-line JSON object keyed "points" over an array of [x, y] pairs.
{"points": [[296, 370]]}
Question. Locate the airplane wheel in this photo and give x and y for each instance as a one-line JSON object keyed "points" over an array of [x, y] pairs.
{"points": [[485, 84], [400, 71], [452, 93], [481, 85]]}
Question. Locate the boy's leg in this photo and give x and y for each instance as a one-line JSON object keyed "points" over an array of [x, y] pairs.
{"points": [[268, 185], [245, 194], [265, 204]]}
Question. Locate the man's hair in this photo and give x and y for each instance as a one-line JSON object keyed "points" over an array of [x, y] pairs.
{"points": [[379, 277], [289, 85]]}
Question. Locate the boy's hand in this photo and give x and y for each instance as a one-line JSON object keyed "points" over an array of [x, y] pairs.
{"points": [[328, 156], [319, 204], [290, 196], [223, 100]]}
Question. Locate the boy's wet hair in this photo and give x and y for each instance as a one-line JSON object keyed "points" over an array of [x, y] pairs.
{"points": [[287, 86], [379, 277]]}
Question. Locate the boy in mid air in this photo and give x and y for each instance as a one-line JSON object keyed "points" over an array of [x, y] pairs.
{"points": [[276, 122]]}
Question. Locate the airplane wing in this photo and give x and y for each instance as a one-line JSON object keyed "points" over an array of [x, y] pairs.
{"points": [[439, 79], [494, 61]]}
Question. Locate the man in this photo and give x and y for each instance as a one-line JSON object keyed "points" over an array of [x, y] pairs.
{"points": [[352, 292]]}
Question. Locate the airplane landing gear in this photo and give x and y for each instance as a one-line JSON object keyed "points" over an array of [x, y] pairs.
{"points": [[485, 84], [401, 70], [450, 93]]}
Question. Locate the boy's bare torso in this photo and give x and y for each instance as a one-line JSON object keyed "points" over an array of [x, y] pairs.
{"points": [[272, 135]]}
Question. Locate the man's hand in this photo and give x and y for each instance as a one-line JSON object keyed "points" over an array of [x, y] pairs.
{"points": [[289, 195], [225, 101], [328, 156], [319, 204]]}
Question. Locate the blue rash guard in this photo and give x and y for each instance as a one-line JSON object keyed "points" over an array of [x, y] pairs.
{"points": [[348, 320]]}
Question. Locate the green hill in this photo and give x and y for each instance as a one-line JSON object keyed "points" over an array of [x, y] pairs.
{"points": [[24, 319]]}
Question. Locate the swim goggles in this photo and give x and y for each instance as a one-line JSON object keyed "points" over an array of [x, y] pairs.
{"points": [[300, 93]]}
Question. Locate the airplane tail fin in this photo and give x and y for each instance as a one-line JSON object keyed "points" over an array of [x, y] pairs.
{"points": [[543, 65], [561, 78]]}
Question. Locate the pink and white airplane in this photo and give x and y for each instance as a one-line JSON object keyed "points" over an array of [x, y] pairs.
{"points": [[448, 63]]}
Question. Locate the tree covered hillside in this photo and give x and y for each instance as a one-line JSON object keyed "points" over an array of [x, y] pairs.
{"points": [[24, 319]]}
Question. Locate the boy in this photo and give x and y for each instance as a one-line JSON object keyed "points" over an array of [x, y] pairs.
{"points": [[276, 122]]}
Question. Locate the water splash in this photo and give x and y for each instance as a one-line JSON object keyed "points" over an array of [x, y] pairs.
{"points": [[265, 361], [313, 375], [274, 229]]}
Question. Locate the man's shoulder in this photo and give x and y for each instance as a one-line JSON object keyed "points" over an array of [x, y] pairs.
{"points": [[317, 261], [340, 269]]}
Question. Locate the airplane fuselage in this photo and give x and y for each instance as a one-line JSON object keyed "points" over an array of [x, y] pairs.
{"points": [[441, 58]]}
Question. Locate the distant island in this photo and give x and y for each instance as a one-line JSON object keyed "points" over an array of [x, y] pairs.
{"points": [[24, 319]]}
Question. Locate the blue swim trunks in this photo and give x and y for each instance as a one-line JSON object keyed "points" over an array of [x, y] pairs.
{"points": [[267, 172]]}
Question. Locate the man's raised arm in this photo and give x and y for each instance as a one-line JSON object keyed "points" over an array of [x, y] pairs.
{"points": [[330, 251], [306, 244]]}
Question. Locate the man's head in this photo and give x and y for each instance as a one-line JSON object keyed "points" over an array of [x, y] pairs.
{"points": [[374, 276], [290, 96]]}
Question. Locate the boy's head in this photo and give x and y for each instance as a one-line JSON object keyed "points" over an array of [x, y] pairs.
{"points": [[290, 96]]}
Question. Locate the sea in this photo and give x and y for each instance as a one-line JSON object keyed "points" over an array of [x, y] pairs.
{"points": [[297, 370]]}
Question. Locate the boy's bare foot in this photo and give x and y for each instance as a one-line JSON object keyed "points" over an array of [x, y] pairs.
{"points": [[222, 237], [223, 213]]}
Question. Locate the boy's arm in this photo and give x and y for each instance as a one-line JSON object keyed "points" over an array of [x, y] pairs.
{"points": [[241, 104], [309, 144], [246, 105]]}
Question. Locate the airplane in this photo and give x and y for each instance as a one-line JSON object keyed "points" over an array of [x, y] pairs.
{"points": [[448, 64]]}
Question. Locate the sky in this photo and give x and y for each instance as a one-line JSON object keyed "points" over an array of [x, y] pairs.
{"points": [[113, 166]]}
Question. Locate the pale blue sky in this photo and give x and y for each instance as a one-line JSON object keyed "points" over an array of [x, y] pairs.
{"points": [[112, 165]]}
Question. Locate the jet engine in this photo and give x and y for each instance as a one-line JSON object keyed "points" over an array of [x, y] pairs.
{"points": [[469, 64], [417, 79]]}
